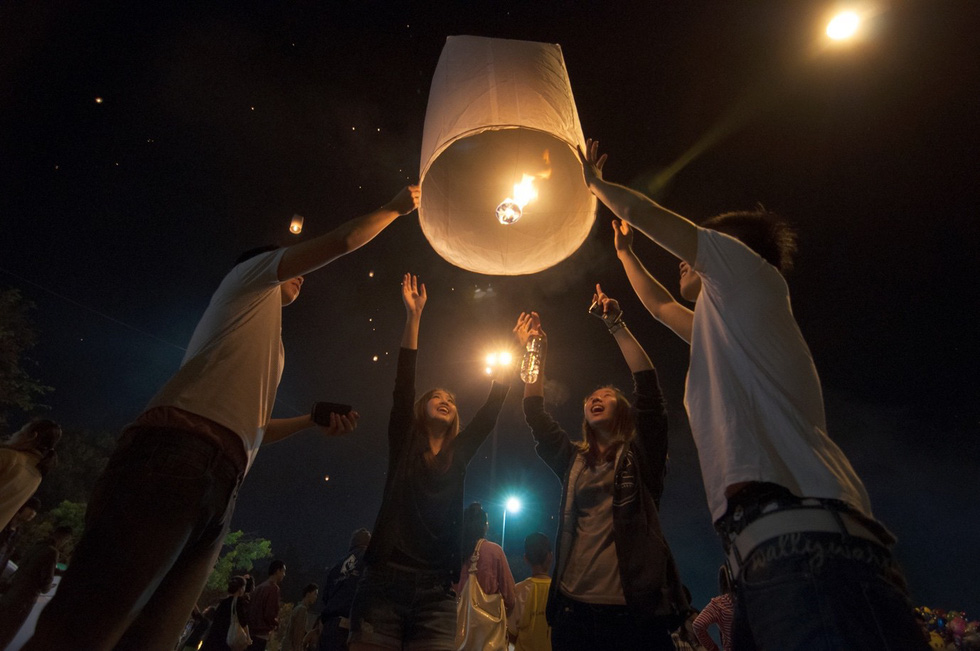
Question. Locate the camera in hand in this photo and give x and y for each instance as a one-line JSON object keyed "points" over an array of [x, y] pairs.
{"points": [[322, 410]]}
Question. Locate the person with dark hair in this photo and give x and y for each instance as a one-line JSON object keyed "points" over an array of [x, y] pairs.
{"points": [[263, 607], [754, 401], [294, 637], [615, 584], [492, 569], [405, 598], [217, 637], [159, 514], [528, 623], [34, 576], [339, 588], [11, 533], [24, 460]]}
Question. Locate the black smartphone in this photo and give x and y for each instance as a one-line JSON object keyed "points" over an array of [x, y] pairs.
{"points": [[322, 410]]}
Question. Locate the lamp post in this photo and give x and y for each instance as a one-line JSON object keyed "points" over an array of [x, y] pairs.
{"points": [[513, 505]]}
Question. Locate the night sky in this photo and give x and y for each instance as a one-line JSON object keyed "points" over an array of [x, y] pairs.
{"points": [[217, 124]]}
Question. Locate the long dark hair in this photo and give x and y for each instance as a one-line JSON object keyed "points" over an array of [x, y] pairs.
{"points": [[623, 426], [439, 462], [474, 528]]}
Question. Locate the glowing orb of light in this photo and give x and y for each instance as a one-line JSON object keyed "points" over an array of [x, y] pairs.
{"points": [[843, 26], [513, 504], [508, 212]]}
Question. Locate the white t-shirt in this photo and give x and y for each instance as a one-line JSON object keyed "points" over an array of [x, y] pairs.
{"points": [[234, 360], [753, 396]]}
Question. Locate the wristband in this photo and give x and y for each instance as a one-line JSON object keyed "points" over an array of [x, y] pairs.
{"points": [[618, 325], [612, 323]]}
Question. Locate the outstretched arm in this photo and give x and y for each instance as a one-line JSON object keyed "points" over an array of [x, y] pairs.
{"points": [[414, 297], [612, 316], [281, 428], [654, 296], [668, 229], [301, 259]]}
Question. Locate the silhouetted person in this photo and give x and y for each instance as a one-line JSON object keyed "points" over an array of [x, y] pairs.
{"points": [[263, 608], [338, 594], [294, 637], [34, 576], [159, 514], [11, 533], [216, 639]]}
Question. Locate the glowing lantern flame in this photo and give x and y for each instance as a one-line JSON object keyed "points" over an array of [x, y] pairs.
{"points": [[296, 226], [843, 26], [512, 208]]}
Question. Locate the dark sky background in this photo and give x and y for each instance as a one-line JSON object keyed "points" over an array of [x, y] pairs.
{"points": [[219, 122]]}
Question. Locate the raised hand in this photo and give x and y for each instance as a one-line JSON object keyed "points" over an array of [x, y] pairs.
{"points": [[592, 163], [610, 306], [622, 236], [406, 200], [413, 295], [528, 324]]}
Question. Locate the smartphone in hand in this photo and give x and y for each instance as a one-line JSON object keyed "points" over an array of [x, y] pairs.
{"points": [[322, 410]]}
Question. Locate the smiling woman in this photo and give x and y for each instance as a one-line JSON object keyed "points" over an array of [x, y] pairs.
{"points": [[615, 583], [405, 597]]}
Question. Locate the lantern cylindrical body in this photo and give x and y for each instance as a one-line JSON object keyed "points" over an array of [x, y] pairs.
{"points": [[499, 110]]}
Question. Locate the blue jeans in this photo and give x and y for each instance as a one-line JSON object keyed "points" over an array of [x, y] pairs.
{"points": [[153, 529], [821, 591], [404, 609], [580, 626]]}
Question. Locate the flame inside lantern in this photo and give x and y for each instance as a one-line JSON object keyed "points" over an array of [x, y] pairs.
{"points": [[296, 226], [512, 208]]}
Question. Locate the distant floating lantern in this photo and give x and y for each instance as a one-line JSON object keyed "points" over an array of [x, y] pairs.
{"points": [[502, 186], [296, 226]]}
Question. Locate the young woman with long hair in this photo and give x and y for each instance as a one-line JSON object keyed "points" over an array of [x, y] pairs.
{"points": [[405, 597], [615, 584]]}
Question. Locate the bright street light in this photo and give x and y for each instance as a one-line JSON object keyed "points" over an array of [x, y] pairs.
{"points": [[512, 505], [498, 359], [843, 26]]}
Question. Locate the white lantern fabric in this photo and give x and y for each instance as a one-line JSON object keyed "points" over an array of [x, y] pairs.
{"points": [[499, 109]]}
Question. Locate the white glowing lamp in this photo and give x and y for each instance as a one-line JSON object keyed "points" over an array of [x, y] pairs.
{"points": [[843, 26], [502, 185], [296, 226]]}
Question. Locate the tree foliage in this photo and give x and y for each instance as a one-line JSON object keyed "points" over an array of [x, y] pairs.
{"points": [[17, 335], [68, 513], [238, 556], [82, 456]]}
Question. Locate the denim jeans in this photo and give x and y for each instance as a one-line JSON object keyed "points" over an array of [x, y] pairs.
{"points": [[153, 529], [404, 609], [580, 626], [822, 591]]}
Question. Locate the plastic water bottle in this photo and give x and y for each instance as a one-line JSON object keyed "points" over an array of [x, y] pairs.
{"points": [[531, 364]]}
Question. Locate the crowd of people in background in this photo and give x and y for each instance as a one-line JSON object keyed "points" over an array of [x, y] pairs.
{"points": [[807, 563]]}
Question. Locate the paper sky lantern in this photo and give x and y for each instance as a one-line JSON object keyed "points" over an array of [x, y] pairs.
{"points": [[502, 186]]}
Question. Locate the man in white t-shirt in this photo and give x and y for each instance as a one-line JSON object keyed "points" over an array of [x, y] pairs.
{"points": [[159, 514], [813, 568]]}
